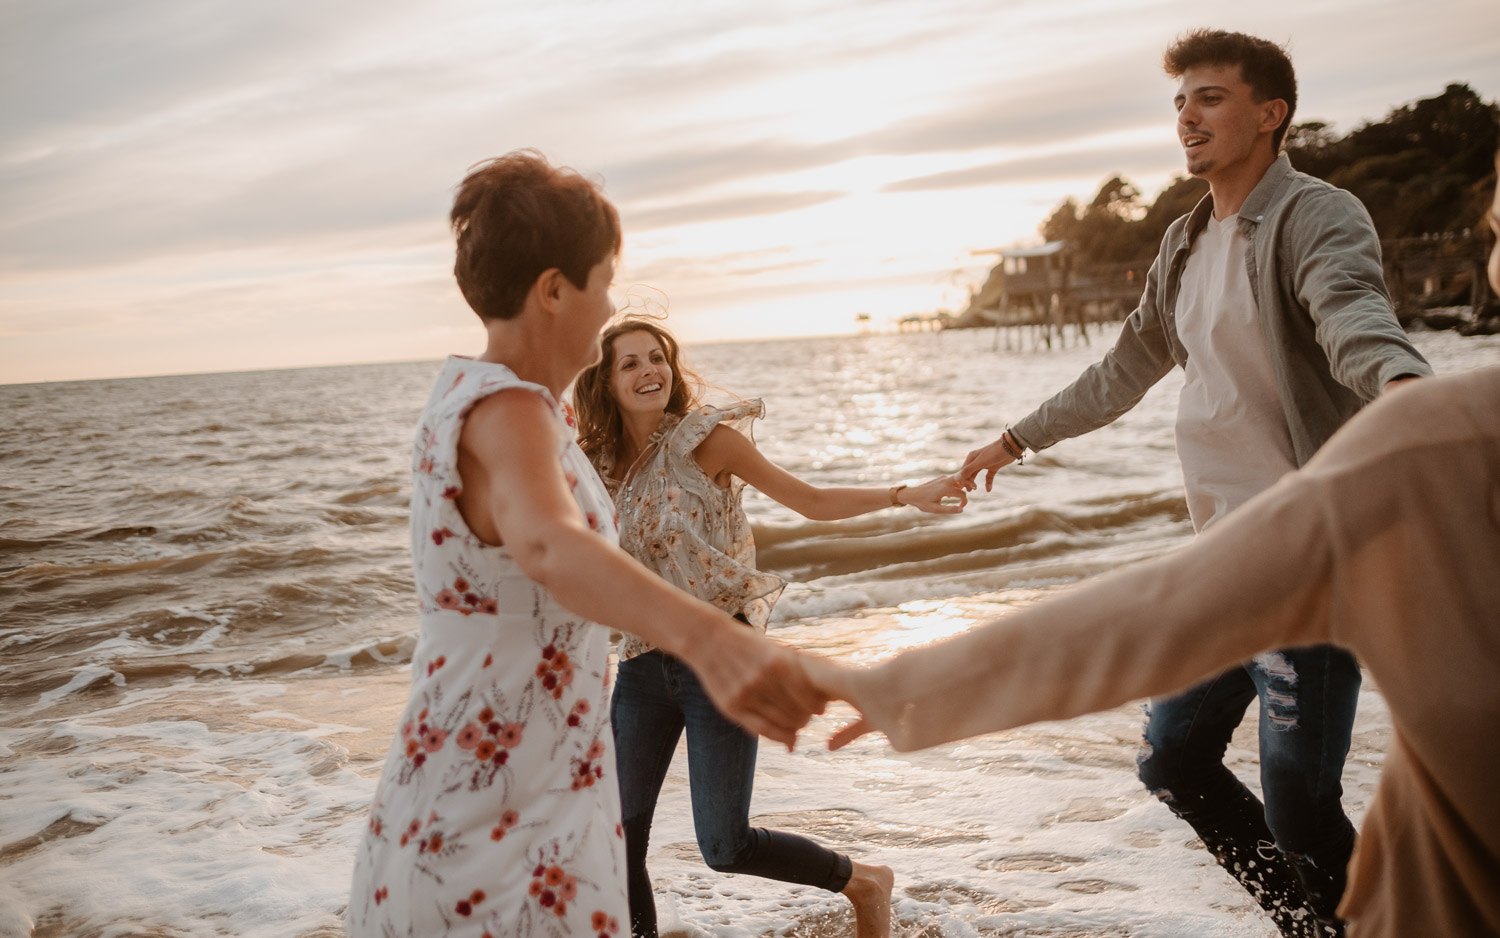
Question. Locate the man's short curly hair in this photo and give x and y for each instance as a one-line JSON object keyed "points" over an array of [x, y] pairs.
{"points": [[1264, 66]]}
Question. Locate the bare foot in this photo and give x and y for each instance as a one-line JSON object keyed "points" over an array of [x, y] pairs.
{"points": [[870, 890]]}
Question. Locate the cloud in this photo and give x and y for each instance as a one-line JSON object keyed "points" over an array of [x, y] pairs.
{"points": [[742, 206], [728, 265], [1047, 166]]}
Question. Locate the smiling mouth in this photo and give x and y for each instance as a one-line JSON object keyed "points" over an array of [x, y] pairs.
{"points": [[648, 389], [1193, 141]]}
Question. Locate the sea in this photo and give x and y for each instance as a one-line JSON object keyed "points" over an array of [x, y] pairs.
{"points": [[207, 622]]}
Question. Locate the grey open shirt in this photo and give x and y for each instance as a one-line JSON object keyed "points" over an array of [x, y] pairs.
{"points": [[1314, 265]]}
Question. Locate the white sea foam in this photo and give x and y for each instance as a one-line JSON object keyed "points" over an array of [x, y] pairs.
{"points": [[198, 831], [82, 677], [175, 827]]}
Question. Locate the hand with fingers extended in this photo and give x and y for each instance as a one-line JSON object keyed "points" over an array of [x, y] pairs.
{"points": [[989, 459], [757, 683]]}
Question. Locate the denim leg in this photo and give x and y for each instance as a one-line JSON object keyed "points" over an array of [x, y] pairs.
{"points": [[647, 724], [721, 773], [1182, 763], [1308, 698]]}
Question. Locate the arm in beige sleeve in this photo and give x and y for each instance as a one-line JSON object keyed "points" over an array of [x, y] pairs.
{"points": [[1261, 579]]}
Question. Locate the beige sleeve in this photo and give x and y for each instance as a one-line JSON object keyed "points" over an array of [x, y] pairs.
{"points": [[1261, 579]]}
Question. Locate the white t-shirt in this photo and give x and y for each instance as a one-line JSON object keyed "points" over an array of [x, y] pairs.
{"points": [[1232, 437]]}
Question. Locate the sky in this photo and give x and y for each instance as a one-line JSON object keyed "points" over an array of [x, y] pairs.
{"points": [[215, 185]]}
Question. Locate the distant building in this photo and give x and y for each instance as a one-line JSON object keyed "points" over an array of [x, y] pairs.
{"points": [[1048, 285]]}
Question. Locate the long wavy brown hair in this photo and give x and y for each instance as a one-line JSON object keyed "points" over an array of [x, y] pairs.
{"points": [[600, 427]]}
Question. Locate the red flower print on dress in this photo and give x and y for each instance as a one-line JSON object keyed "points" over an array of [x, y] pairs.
{"points": [[604, 924], [469, 736], [585, 773], [485, 716], [465, 907], [433, 739], [484, 749], [380, 894], [510, 735], [448, 599], [488, 607], [556, 671], [507, 820], [460, 585], [436, 663], [452, 492]]}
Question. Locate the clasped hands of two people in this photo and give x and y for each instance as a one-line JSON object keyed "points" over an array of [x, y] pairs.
{"points": [[784, 690]]}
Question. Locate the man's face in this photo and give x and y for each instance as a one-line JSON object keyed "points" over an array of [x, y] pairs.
{"points": [[1219, 122]]}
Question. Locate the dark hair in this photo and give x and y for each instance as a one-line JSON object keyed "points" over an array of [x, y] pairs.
{"points": [[600, 427], [1264, 66], [517, 216]]}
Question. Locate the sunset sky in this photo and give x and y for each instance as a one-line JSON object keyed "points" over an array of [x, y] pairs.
{"points": [[203, 185]]}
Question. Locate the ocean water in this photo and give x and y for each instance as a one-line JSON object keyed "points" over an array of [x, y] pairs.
{"points": [[206, 628]]}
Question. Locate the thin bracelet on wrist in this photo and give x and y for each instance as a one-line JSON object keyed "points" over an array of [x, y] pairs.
{"points": [[896, 495], [1012, 448]]}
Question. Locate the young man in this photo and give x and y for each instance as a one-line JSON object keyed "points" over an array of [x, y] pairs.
{"points": [[1270, 296]]}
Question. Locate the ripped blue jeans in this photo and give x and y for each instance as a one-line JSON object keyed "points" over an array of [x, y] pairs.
{"points": [[1291, 853]]}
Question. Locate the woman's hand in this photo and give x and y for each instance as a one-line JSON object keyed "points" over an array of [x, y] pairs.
{"points": [[929, 496]]}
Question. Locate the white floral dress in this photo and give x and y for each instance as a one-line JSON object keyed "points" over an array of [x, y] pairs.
{"points": [[497, 814], [686, 527]]}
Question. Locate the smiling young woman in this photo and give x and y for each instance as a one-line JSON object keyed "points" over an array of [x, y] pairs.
{"points": [[677, 472]]}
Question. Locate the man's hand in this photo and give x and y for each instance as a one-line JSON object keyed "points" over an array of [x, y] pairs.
{"points": [[988, 459]]}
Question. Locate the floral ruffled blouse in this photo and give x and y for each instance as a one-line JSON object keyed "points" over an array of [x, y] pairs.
{"points": [[680, 523]]}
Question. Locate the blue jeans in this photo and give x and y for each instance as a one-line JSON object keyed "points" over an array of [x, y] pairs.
{"points": [[655, 698], [1291, 853]]}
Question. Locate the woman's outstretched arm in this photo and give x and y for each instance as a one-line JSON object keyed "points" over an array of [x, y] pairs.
{"points": [[727, 452]]}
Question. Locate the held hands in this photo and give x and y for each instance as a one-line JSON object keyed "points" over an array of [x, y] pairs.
{"points": [[929, 496], [759, 684], [772, 690]]}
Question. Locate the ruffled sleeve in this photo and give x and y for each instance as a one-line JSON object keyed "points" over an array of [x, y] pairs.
{"points": [[696, 426]]}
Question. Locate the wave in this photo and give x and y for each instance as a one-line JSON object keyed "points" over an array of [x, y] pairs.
{"points": [[908, 547]]}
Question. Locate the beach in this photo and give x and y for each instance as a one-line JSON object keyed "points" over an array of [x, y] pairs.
{"points": [[207, 622]]}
